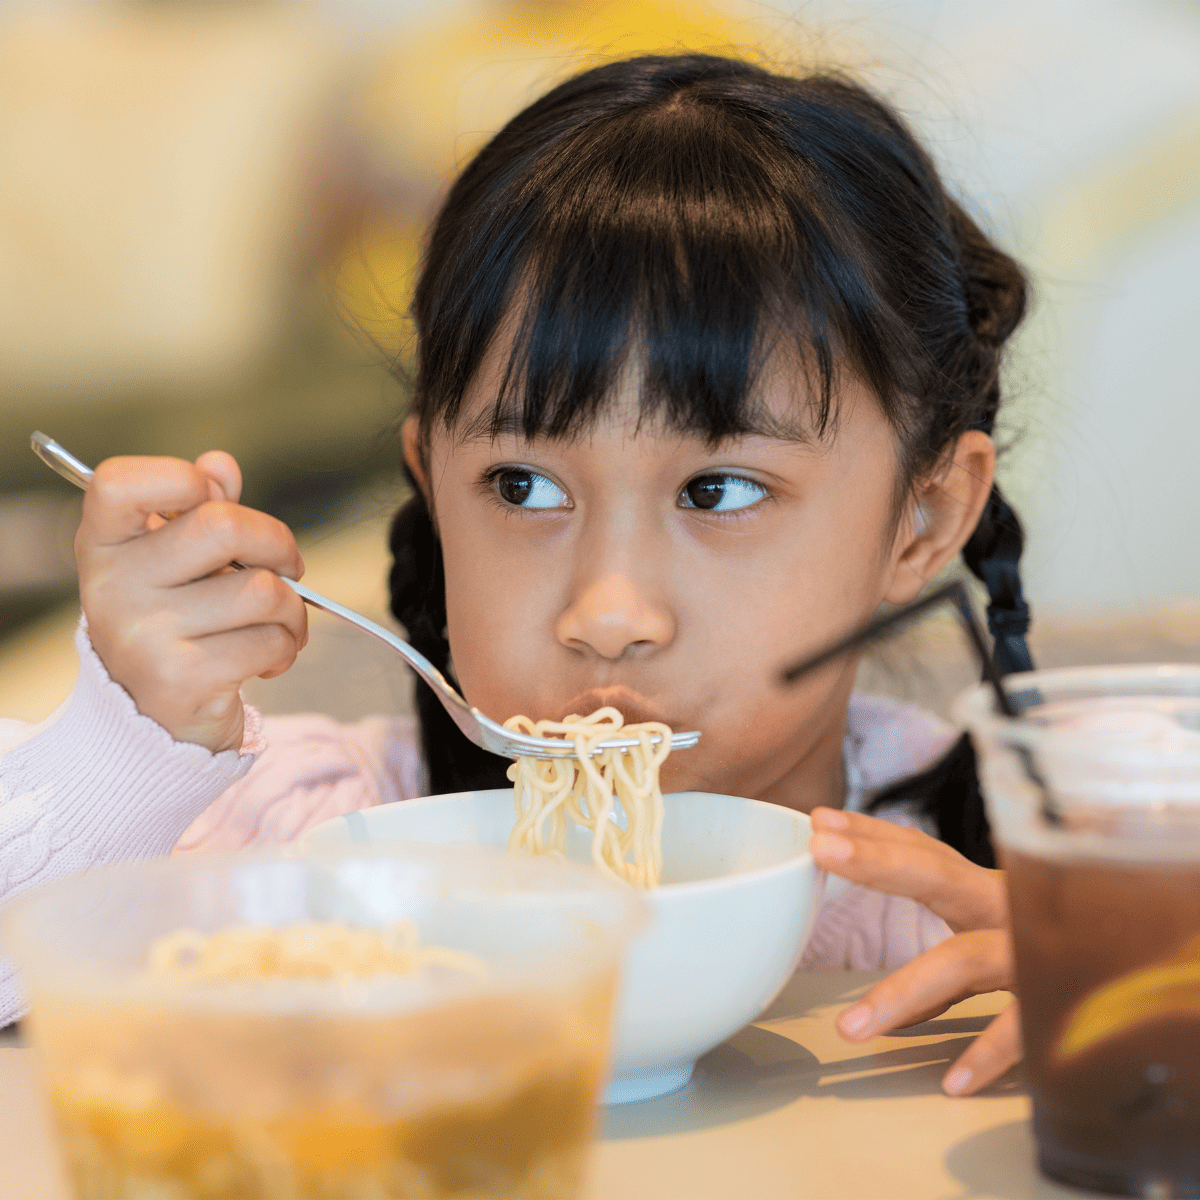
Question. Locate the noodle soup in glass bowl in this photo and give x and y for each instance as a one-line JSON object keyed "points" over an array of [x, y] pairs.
{"points": [[405, 1022], [736, 904]]}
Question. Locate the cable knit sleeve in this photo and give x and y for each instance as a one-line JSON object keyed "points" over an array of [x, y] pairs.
{"points": [[98, 782], [313, 769]]}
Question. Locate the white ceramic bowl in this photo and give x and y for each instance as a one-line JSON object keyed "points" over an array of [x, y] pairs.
{"points": [[731, 918]]}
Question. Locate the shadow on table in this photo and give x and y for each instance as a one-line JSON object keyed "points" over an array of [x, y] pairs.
{"points": [[1000, 1163], [810, 990], [758, 1070], [941, 1025]]}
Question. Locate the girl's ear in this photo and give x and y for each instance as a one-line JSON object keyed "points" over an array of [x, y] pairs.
{"points": [[414, 458], [945, 510]]}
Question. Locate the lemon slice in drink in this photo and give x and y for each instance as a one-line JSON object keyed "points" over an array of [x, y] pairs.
{"points": [[1169, 988]]}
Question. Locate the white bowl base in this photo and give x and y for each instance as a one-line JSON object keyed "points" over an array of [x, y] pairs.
{"points": [[631, 1088]]}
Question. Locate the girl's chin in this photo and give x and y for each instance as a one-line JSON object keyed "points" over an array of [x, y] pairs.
{"points": [[675, 779], [677, 776]]}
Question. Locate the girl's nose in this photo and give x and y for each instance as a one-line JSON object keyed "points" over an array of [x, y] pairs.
{"points": [[611, 618]]}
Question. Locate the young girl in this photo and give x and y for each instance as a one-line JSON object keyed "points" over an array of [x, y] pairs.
{"points": [[707, 368]]}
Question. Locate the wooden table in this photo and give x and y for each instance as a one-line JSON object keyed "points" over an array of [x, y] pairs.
{"points": [[785, 1110]]}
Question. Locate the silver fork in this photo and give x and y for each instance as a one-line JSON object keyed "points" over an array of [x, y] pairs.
{"points": [[483, 731]]}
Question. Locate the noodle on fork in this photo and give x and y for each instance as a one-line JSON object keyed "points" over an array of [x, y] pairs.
{"points": [[588, 788]]}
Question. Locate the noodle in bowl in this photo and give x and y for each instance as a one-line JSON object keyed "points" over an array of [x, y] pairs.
{"points": [[736, 902]]}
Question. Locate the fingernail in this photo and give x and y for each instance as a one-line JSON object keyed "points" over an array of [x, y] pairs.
{"points": [[957, 1081], [854, 1020], [834, 818], [829, 845]]}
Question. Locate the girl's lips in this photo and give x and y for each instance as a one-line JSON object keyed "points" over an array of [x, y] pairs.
{"points": [[636, 709]]}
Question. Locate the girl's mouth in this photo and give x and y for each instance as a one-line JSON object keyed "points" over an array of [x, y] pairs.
{"points": [[634, 707]]}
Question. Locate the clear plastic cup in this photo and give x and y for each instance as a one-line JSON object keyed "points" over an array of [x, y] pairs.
{"points": [[1093, 795], [442, 1083]]}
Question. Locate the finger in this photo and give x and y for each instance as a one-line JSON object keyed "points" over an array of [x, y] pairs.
{"points": [[961, 966], [240, 654], [996, 1049], [125, 492], [862, 827], [910, 863], [191, 687], [172, 677], [198, 680], [236, 599], [964, 895], [224, 469], [203, 705], [209, 538], [895, 867]]}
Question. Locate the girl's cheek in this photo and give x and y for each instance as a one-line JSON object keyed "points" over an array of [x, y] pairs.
{"points": [[494, 620], [486, 643]]}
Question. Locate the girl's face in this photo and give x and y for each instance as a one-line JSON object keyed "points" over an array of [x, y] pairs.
{"points": [[650, 570]]}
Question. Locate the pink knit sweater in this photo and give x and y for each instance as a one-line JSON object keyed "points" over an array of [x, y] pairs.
{"points": [[98, 781]]}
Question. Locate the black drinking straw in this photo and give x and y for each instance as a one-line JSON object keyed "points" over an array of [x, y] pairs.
{"points": [[951, 593]]}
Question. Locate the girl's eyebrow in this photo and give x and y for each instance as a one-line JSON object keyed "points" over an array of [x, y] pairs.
{"points": [[491, 423]]}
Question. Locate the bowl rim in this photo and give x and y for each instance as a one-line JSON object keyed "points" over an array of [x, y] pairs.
{"points": [[793, 863], [323, 996]]}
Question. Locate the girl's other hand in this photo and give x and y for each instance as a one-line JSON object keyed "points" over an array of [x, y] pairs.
{"points": [[906, 862], [969, 898], [173, 624], [961, 966]]}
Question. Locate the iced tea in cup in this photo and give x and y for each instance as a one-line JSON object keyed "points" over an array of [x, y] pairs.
{"points": [[1093, 794], [418, 1021]]}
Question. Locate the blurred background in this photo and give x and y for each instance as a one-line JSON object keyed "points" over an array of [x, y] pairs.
{"points": [[211, 214]]}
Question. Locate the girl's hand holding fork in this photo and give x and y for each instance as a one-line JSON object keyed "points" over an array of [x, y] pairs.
{"points": [[176, 626]]}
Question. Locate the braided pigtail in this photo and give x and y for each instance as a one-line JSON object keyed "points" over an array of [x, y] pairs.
{"points": [[948, 792], [950, 788], [993, 554], [418, 600], [995, 293], [995, 296]]}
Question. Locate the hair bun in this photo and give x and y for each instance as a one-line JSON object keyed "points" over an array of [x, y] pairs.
{"points": [[996, 289]]}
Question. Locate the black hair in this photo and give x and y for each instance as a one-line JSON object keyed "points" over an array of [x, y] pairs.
{"points": [[700, 211]]}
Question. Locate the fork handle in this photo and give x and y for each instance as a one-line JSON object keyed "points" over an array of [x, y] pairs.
{"points": [[414, 658]]}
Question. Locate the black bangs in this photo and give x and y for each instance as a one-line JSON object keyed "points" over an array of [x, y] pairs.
{"points": [[671, 226], [661, 254]]}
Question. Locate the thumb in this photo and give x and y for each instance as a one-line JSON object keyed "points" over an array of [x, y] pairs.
{"points": [[223, 470]]}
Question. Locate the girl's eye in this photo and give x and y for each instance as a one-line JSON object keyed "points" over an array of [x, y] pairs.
{"points": [[525, 489], [721, 493]]}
